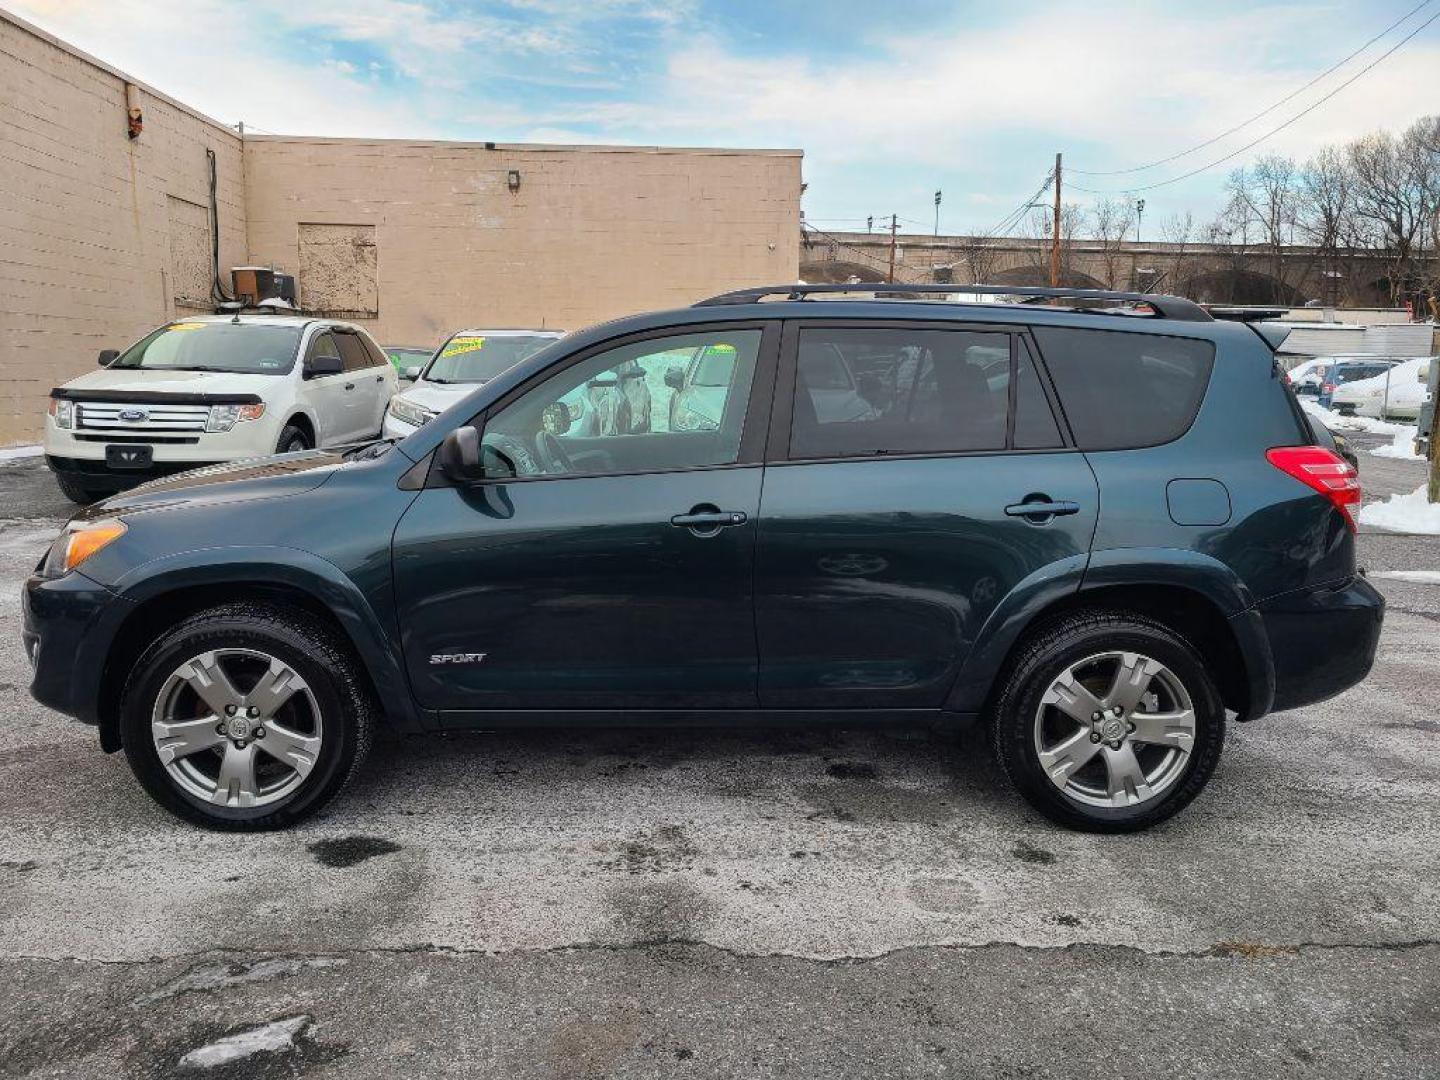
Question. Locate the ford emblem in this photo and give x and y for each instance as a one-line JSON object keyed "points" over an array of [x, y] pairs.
{"points": [[134, 414]]}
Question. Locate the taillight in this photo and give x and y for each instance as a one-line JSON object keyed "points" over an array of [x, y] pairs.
{"points": [[1328, 388], [1323, 471]]}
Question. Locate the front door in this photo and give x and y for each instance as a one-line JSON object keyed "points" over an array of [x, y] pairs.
{"points": [[607, 560], [890, 530]]}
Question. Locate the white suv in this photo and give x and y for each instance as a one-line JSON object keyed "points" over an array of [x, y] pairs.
{"points": [[212, 389], [467, 359]]}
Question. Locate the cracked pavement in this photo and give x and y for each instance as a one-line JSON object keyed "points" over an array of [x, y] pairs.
{"points": [[722, 904]]}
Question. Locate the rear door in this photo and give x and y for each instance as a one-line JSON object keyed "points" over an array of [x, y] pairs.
{"points": [[363, 385], [891, 528]]}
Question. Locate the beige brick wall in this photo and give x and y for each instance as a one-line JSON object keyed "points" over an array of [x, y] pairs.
{"points": [[99, 235], [86, 214], [591, 234]]}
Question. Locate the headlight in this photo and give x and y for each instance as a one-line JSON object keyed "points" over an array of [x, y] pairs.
{"points": [[63, 412], [407, 412], [80, 541], [224, 417], [688, 419]]}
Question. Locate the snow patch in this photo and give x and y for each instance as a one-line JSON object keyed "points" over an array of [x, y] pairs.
{"points": [[1424, 577], [1340, 422], [219, 976], [1411, 513], [16, 453], [275, 1037], [1402, 447]]}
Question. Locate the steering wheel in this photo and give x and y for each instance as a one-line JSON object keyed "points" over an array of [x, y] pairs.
{"points": [[516, 453], [553, 458]]}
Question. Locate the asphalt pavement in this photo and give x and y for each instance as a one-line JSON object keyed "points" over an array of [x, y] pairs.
{"points": [[723, 904]]}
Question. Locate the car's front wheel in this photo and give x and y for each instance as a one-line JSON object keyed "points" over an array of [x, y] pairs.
{"points": [[76, 491], [246, 717], [1108, 722], [292, 439]]}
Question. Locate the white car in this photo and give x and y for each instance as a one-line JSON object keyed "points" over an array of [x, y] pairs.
{"points": [[212, 389], [1369, 397], [1307, 375], [468, 359]]}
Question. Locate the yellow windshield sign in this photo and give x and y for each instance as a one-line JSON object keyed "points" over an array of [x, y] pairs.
{"points": [[186, 326], [463, 345]]}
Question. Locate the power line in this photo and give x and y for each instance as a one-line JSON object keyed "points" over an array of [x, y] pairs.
{"points": [[1273, 131], [1265, 112]]}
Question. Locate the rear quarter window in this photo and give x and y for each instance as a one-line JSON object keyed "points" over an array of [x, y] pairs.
{"points": [[1122, 391]]}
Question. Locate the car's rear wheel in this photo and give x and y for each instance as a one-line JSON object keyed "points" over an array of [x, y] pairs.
{"points": [[76, 491], [246, 717], [1108, 722], [292, 438]]}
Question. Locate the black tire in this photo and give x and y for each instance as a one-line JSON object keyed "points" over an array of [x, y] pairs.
{"points": [[1043, 657], [313, 650], [77, 492], [293, 438]]}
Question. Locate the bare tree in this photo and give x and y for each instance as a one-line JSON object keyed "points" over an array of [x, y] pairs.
{"points": [[1040, 228], [1393, 199], [1110, 222], [1179, 231], [1266, 195]]}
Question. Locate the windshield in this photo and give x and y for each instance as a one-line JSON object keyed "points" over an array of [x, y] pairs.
{"points": [[246, 348], [469, 358], [716, 366]]}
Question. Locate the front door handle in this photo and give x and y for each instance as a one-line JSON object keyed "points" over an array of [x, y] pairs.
{"points": [[1042, 509], [706, 520], [349, 386]]}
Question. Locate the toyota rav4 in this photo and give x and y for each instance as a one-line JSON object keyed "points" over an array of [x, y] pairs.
{"points": [[1098, 530]]}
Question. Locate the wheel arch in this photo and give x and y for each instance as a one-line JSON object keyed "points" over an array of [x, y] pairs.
{"points": [[302, 419], [167, 594], [1198, 597]]}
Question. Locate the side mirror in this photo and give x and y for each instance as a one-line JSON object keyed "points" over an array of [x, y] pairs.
{"points": [[555, 418], [675, 378], [411, 373], [460, 455], [319, 366], [107, 356]]}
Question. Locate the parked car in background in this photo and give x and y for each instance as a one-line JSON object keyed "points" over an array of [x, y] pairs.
{"points": [[1307, 376], [1341, 372], [213, 389], [407, 357], [993, 540], [1394, 394], [469, 358]]}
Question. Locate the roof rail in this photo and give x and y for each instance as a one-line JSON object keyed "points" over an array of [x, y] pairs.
{"points": [[1166, 307]]}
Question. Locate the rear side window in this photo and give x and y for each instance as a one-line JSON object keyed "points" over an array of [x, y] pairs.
{"points": [[353, 352], [899, 391], [1121, 390]]}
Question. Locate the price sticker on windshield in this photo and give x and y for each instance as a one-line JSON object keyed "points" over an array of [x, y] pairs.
{"points": [[461, 345], [186, 326]]}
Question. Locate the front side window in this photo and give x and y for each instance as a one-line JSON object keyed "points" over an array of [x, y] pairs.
{"points": [[899, 391], [353, 353], [323, 345], [245, 348], [622, 410]]}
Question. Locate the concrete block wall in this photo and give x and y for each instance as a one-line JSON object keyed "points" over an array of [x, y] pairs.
{"points": [[103, 237], [86, 214], [591, 233]]}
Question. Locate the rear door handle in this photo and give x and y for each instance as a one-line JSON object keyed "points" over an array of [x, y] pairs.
{"points": [[707, 521], [1042, 509]]}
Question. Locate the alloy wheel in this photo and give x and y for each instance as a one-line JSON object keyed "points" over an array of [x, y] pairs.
{"points": [[236, 728], [1115, 729]]}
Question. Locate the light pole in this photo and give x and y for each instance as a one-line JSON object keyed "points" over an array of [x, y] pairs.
{"points": [[1139, 217], [937, 213]]}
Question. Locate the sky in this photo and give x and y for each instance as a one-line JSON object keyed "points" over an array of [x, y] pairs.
{"points": [[890, 101]]}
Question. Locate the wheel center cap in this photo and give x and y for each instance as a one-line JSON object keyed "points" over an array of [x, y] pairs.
{"points": [[238, 727], [1112, 729]]}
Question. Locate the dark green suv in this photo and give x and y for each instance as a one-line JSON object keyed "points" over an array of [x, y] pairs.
{"points": [[1096, 529]]}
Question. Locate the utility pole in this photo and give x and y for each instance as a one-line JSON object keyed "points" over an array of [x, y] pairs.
{"points": [[1139, 217], [894, 224], [937, 214], [1055, 235]]}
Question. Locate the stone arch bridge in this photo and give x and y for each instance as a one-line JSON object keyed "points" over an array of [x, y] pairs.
{"points": [[1209, 273]]}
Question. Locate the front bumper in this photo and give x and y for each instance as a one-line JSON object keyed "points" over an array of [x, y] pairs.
{"points": [[68, 622], [1322, 640]]}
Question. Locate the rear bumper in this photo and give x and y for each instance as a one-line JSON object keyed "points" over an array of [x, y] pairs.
{"points": [[1322, 641]]}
